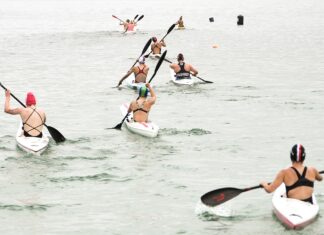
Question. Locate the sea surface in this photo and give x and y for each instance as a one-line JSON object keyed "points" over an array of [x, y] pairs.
{"points": [[267, 95]]}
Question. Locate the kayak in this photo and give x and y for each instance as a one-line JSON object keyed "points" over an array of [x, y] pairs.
{"points": [[293, 213], [129, 31], [147, 129], [130, 83], [185, 81], [155, 56], [32, 145], [180, 28]]}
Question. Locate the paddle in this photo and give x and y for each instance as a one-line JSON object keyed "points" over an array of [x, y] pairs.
{"points": [[169, 30], [118, 18], [192, 74], [135, 17], [118, 126], [219, 196], [142, 53], [56, 135], [141, 17]]}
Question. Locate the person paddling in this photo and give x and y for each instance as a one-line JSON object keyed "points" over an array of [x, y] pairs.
{"points": [[33, 118], [182, 70], [139, 71], [180, 23], [298, 179], [142, 105], [156, 46]]}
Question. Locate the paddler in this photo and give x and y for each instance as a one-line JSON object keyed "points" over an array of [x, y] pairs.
{"points": [[183, 70], [140, 72], [33, 118], [130, 26], [180, 23], [142, 105], [298, 179], [156, 46], [125, 24]]}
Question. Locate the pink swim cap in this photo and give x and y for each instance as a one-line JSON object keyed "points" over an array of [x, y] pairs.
{"points": [[30, 99]]}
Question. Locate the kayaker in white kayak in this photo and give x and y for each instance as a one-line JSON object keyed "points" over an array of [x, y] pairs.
{"points": [[156, 46], [125, 24], [299, 179], [141, 106], [33, 119], [183, 70], [180, 23], [139, 71]]}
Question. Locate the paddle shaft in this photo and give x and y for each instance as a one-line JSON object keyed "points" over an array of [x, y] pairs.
{"points": [[118, 18], [191, 73]]}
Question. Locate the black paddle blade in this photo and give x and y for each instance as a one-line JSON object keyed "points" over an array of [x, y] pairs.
{"points": [[146, 46], [135, 17], [219, 196], [158, 65], [56, 135], [171, 28], [118, 127], [141, 17]]}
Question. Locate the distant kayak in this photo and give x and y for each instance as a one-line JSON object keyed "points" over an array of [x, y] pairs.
{"points": [[293, 213], [32, 145], [174, 79], [147, 129], [181, 28], [155, 56]]}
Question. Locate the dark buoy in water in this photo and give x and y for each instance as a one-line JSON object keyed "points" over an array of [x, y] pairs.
{"points": [[211, 19], [240, 20]]}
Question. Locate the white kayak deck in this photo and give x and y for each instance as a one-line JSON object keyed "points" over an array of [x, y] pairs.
{"points": [[32, 145], [293, 213]]}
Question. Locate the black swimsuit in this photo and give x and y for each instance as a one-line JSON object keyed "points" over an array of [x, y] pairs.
{"points": [[26, 133], [140, 108], [182, 74], [302, 181]]}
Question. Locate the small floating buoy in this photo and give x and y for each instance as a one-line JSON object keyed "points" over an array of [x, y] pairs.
{"points": [[240, 20], [211, 19]]}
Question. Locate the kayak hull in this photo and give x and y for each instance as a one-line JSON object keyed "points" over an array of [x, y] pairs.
{"points": [[130, 83], [31, 145], [189, 81], [293, 213], [147, 129]]}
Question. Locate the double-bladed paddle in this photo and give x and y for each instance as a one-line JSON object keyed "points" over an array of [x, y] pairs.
{"points": [[56, 135], [169, 30], [142, 53], [219, 196], [192, 74], [118, 126]]}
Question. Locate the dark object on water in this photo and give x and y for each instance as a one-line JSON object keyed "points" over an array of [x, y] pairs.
{"points": [[211, 19], [240, 20]]}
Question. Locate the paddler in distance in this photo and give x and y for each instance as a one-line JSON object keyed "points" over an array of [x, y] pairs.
{"points": [[183, 70], [156, 46], [140, 72], [142, 105], [33, 118], [298, 179], [180, 23], [125, 23]]}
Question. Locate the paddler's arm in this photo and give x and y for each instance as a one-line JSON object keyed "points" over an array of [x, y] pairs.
{"points": [[163, 43], [318, 177], [7, 108], [193, 70], [126, 76], [153, 96], [269, 188]]}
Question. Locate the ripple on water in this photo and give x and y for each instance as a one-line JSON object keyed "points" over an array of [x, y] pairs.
{"points": [[194, 131], [103, 177], [30, 207]]}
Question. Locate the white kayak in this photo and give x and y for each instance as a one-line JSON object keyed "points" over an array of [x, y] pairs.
{"points": [[148, 129], [129, 31], [186, 81], [130, 82], [293, 213], [155, 56], [32, 145]]}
